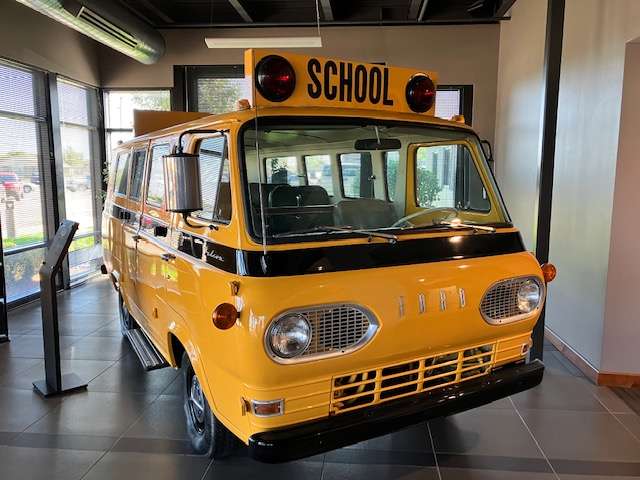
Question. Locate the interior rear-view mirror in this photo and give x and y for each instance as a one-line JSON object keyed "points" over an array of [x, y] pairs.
{"points": [[378, 144], [182, 183]]}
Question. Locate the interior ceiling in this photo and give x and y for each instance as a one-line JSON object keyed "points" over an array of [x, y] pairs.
{"points": [[257, 13]]}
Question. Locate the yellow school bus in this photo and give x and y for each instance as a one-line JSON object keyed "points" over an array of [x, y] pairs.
{"points": [[327, 264]]}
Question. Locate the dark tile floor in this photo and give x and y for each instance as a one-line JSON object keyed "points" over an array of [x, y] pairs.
{"points": [[129, 424]]}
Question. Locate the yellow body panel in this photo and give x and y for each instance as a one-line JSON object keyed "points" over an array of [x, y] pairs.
{"points": [[176, 299]]}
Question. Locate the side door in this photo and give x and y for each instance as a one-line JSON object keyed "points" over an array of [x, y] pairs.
{"points": [[131, 226], [152, 242]]}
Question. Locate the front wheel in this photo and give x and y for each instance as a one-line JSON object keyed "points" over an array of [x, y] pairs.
{"points": [[207, 434]]}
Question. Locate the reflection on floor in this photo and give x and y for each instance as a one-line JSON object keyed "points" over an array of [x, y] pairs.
{"points": [[129, 424]]}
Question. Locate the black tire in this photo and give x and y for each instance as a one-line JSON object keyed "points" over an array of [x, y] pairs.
{"points": [[207, 434], [127, 322]]}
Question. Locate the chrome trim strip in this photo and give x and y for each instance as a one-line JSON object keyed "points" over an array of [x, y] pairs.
{"points": [[421, 303]]}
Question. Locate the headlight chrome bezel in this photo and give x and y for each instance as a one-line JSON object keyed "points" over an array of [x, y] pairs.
{"points": [[519, 316], [301, 358]]}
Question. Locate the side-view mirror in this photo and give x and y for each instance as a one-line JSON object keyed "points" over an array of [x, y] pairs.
{"points": [[182, 187], [488, 152]]}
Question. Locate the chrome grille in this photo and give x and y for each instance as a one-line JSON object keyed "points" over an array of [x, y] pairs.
{"points": [[377, 385], [337, 328], [501, 300]]}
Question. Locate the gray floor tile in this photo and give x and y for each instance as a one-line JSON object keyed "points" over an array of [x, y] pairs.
{"points": [[412, 439], [19, 463], [484, 432], [143, 466], [96, 348], [245, 468], [164, 418], [612, 402], [63, 442], [31, 346], [93, 413], [127, 375], [566, 363], [631, 421], [475, 474], [20, 408], [342, 471], [85, 369], [560, 392], [566, 435], [166, 446]]}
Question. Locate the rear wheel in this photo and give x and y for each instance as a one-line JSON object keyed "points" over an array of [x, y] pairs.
{"points": [[207, 434], [127, 322]]}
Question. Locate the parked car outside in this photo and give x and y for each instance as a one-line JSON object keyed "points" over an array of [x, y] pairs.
{"points": [[13, 186]]}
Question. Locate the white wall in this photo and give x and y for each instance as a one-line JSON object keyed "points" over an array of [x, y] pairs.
{"points": [[518, 112], [621, 349], [590, 304], [460, 54], [32, 38], [595, 37]]}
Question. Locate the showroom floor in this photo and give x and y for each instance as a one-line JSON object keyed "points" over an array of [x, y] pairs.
{"points": [[130, 423]]}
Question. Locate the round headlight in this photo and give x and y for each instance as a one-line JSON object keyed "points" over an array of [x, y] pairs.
{"points": [[529, 295], [289, 336]]}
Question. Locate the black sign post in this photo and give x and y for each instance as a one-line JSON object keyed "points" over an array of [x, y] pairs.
{"points": [[55, 383]]}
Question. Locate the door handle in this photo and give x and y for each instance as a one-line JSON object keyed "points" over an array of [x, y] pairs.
{"points": [[167, 256]]}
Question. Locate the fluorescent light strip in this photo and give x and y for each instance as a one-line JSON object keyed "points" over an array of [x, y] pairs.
{"points": [[264, 42]]}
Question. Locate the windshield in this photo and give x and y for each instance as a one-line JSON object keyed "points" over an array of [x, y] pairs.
{"points": [[328, 177]]}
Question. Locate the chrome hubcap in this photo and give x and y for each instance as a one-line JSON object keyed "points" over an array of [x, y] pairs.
{"points": [[196, 400]]}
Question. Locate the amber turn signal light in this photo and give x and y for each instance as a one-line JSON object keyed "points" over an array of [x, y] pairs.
{"points": [[225, 316], [549, 272]]}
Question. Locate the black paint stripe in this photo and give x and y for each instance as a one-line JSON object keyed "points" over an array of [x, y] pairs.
{"points": [[352, 257]]}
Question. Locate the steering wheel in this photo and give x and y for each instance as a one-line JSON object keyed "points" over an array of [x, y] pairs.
{"points": [[450, 213]]}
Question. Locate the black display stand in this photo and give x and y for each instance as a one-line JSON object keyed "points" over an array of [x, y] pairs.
{"points": [[4, 324], [55, 383]]}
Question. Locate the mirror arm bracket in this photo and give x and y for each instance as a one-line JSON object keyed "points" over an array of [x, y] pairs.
{"points": [[179, 148]]}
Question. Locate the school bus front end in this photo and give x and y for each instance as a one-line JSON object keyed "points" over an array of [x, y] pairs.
{"points": [[366, 275]]}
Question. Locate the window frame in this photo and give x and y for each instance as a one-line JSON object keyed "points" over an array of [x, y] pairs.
{"points": [[473, 162], [466, 99], [135, 150], [224, 158], [117, 193], [147, 203], [193, 73]]}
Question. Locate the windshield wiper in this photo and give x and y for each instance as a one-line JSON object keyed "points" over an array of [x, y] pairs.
{"points": [[456, 223], [329, 229]]}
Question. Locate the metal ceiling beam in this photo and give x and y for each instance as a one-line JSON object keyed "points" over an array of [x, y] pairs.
{"points": [[414, 9], [504, 7], [156, 11], [423, 10], [338, 23], [327, 11], [241, 11]]}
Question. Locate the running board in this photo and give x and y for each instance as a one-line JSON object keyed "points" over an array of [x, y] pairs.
{"points": [[148, 355]]}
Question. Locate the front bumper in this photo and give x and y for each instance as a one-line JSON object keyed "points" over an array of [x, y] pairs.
{"points": [[338, 431]]}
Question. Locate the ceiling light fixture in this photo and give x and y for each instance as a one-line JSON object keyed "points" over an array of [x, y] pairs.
{"points": [[268, 42]]}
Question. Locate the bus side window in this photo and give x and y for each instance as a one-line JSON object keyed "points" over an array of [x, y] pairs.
{"points": [[122, 174], [155, 191], [356, 174], [215, 180], [282, 170], [137, 172], [318, 169], [391, 161]]}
